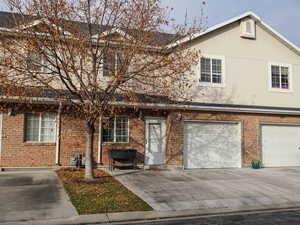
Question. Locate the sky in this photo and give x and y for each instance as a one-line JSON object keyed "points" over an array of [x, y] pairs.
{"points": [[282, 15]]}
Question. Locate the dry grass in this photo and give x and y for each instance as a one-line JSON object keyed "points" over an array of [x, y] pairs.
{"points": [[104, 194]]}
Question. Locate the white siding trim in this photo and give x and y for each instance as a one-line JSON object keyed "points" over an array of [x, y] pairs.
{"points": [[100, 140], [57, 147], [1, 126]]}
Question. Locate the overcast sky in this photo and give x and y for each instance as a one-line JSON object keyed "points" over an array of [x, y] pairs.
{"points": [[283, 15]]}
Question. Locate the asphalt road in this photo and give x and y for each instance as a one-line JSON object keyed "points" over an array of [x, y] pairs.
{"points": [[274, 218]]}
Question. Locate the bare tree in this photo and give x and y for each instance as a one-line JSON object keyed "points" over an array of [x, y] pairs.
{"points": [[93, 50]]}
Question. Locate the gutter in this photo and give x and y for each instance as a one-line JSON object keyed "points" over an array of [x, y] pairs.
{"points": [[209, 108], [178, 106]]}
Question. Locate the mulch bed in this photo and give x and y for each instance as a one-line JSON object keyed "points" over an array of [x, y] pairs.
{"points": [[104, 194]]}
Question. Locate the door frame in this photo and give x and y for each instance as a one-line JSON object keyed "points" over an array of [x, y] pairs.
{"points": [[238, 122], [260, 134], [162, 121]]}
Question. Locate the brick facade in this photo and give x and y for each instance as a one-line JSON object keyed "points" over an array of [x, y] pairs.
{"points": [[17, 153], [250, 135]]}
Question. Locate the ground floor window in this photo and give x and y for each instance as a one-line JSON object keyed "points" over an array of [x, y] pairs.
{"points": [[115, 130], [40, 127]]}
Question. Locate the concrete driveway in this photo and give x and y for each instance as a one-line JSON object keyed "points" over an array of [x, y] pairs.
{"points": [[237, 189], [31, 195]]}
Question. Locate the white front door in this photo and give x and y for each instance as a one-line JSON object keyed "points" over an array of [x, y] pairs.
{"points": [[212, 144], [280, 145], [155, 142]]}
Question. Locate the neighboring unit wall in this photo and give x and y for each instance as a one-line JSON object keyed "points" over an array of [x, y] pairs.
{"points": [[246, 68], [16, 152]]}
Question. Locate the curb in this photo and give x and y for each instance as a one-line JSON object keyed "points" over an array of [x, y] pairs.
{"points": [[154, 216]]}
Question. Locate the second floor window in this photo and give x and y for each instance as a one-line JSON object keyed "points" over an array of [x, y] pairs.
{"points": [[112, 62], [211, 70], [280, 77]]}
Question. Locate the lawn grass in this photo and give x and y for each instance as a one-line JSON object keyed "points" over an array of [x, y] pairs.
{"points": [[104, 194]]}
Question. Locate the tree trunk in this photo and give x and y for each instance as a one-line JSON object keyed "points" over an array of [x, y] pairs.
{"points": [[89, 175]]}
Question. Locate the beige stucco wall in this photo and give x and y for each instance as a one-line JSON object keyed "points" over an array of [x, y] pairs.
{"points": [[246, 68]]}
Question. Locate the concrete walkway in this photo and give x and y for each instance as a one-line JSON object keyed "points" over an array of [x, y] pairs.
{"points": [[33, 195], [235, 189]]}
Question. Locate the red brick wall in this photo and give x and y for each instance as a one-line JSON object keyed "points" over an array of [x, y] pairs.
{"points": [[250, 125], [17, 153]]}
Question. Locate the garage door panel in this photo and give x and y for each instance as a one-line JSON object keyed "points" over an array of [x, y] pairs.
{"points": [[212, 145], [280, 145]]}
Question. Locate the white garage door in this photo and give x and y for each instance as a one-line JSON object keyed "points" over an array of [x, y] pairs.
{"points": [[280, 145], [212, 145]]}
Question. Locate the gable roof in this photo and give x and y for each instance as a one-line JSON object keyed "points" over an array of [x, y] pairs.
{"points": [[252, 15], [10, 21]]}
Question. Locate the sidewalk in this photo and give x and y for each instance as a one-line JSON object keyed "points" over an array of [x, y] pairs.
{"points": [[151, 216]]}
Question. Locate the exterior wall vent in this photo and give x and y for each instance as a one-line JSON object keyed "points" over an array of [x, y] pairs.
{"points": [[248, 29]]}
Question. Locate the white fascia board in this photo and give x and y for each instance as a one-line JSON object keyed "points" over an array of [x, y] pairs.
{"points": [[113, 31], [4, 29], [213, 28], [57, 27], [37, 22], [280, 37], [28, 25]]}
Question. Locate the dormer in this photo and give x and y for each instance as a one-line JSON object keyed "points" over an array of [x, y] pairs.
{"points": [[248, 28]]}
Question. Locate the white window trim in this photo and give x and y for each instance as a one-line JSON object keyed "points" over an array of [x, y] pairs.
{"points": [[40, 130], [44, 61], [223, 74], [115, 125], [116, 65], [290, 77]]}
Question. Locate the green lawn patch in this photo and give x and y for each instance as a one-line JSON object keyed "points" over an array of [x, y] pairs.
{"points": [[104, 194]]}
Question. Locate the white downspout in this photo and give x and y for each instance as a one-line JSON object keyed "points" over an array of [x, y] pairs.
{"points": [[100, 142], [1, 123], [57, 146]]}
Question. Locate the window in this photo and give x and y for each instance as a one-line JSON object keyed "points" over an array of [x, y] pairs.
{"points": [[112, 62], [116, 130], [33, 61], [39, 63], [211, 70], [40, 127], [280, 76]]}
